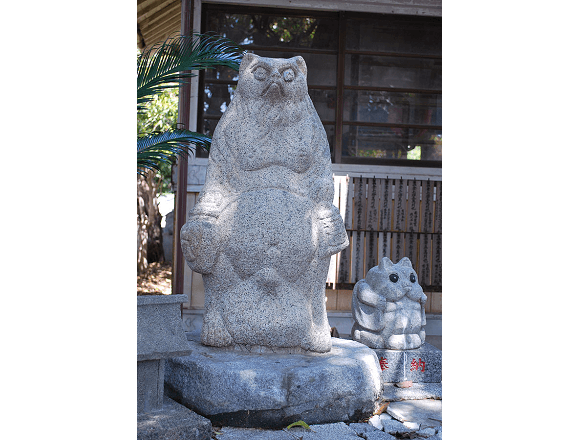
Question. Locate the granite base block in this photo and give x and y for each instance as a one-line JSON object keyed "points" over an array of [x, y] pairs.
{"points": [[268, 390], [422, 365], [173, 422]]}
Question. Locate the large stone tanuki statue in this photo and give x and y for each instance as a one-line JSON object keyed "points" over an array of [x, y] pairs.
{"points": [[388, 307], [264, 228]]}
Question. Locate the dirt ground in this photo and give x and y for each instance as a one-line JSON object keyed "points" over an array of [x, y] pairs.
{"points": [[156, 280]]}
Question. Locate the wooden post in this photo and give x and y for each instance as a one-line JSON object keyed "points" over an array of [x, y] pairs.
{"points": [[181, 196]]}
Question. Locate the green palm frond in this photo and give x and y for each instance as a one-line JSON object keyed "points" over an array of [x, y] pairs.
{"points": [[170, 63], [153, 149]]}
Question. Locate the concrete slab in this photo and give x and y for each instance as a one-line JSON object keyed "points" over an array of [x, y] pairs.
{"points": [[417, 391], [329, 431], [427, 413], [269, 390], [172, 422], [377, 435], [392, 426]]}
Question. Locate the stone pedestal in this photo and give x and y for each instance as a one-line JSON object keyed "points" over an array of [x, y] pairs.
{"points": [[422, 365], [159, 335], [270, 390]]}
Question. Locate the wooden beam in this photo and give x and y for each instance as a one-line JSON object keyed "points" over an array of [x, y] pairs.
{"points": [[162, 34], [168, 13]]}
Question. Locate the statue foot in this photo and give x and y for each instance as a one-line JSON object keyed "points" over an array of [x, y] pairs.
{"points": [[367, 338], [321, 343], [214, 332]]}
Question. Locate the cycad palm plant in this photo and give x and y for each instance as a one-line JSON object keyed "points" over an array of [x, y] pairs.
{"points": [[168, 65], [165, 66]]}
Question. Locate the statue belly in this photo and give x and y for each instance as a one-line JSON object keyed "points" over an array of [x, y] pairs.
{"points": [[271, 235]]}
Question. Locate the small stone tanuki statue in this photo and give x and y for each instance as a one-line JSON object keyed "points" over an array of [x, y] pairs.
{"points": [[264, 228], [389, 307]]}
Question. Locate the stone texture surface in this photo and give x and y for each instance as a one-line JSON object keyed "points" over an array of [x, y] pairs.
{"points": [[150, 385], [377, 435], [388, 307], [426, 413], [427, 432], [418, 391], [159, 328], [422, 365], [264, 228], [251, 390], [229, 433], [331, 431], [361, 428], [172, 422]]}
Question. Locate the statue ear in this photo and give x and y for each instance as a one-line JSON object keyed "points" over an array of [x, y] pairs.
{"points": [[247, 59], [301, 64], [405, 262], [385, 263]]}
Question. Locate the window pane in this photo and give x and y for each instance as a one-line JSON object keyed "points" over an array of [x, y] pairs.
{"points": [[395, 33], [279, 31], [324, 102], [391, 143], [396, 72], [216, 97], [225, 73], [392, 107]]}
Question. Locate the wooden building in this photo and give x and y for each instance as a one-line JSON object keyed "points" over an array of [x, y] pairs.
{"points": [[374, 76]]}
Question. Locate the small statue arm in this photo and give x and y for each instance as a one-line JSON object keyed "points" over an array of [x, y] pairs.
{"points": [[423, 300], [368, 308], [369, 297]]}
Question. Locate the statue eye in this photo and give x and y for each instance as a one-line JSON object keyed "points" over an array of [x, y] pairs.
{"points": [[412, 278], [260, 74], [394, 277], [288, 75]]}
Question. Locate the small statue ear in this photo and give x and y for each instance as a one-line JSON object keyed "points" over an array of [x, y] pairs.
{"points": [[247, 59], [385, 263], [301, 64], [405, 262]]}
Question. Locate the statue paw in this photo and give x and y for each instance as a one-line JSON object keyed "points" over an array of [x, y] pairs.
{"points": [[214, 332], [333, 237], [200, 244]]}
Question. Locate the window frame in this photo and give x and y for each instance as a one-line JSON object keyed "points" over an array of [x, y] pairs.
{"points": [[339, 123]]}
